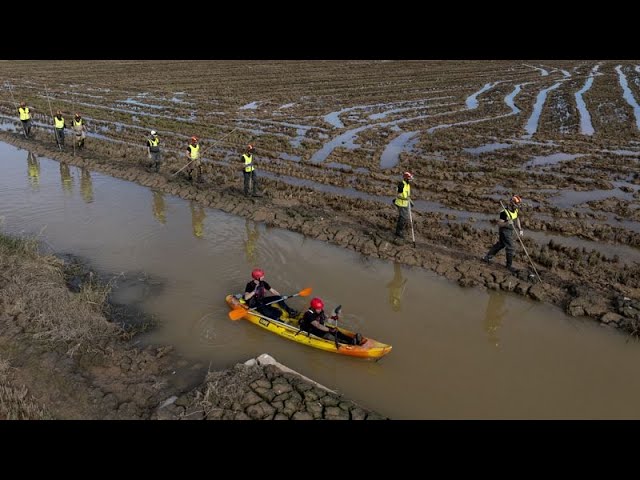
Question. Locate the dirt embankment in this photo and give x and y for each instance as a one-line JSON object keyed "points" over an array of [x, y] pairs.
{"points": [[66, 352], [578, 281]]}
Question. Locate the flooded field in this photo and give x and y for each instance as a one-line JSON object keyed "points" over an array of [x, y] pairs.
{"points": [[562, 134]]}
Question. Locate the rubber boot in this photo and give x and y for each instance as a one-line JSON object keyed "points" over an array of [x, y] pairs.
{"points": [[509, 263]]}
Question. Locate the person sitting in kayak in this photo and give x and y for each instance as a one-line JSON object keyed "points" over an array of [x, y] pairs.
{"points": [[254, 295], [314, 320]]}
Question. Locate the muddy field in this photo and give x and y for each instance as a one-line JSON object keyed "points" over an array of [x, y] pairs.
{"points": [[333, 138]]}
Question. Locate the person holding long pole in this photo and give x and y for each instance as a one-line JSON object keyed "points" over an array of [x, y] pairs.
{"points": [[25, 118], [18, 109], [506, 225], [58, 122], [403, 202]]}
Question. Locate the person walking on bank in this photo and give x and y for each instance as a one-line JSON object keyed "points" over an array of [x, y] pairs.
{"points": [[402, 201], [505, 231], [80, 130], [250, 172], [59, 128], [195, 167], [153, 149], [25, 118]]}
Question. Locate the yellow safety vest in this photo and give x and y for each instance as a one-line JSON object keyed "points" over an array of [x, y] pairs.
{"points": [[59, 122], [77, 123], [195, 151], [248, 163], [24, 113], [511, 215], [402, 200]]}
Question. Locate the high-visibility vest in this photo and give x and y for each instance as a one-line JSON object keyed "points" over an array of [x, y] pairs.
{"points": [[511, 215], [78, 123], [24, 113], [153, 144], [195, 151], [402, 200], [59, 122], [248, 163]]}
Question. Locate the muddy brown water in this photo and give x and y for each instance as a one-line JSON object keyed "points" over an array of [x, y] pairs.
{"points": [[458, 353]]}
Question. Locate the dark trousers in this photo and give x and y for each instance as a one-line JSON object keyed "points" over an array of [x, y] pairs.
{"points": [[60, 136], [26, 125], [342, 338], [505, 240], [155, 161], [403, 219], [250, 177], [271, 311]]}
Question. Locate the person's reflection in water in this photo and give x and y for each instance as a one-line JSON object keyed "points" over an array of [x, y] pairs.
{"points": [[197, 217], [494, 315], [65, 177], [159, 207], [86, 186], [251, 242], [33, 169], [396, 288]]}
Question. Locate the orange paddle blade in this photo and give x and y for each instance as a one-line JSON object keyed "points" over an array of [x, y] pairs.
{"points": [[306, 292], [237, 313]]}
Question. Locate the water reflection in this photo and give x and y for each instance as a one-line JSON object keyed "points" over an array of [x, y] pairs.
{"points": [[251, 242], [396, 288], [197, 218], [33, 169], [493, 316], [86, 185], [65, 178], [159, 208]]}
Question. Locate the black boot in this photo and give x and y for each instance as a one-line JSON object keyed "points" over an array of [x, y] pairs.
{"points": [[509, 264], [487, 258]]}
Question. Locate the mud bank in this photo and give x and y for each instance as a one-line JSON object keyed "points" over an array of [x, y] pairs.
{"points": [[67, 352], [581, 282]]}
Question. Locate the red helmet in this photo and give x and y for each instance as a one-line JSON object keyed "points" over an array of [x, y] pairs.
{"points": [[194, 139], [516, 200], [407, 176], [257, 273], [317, 303]]}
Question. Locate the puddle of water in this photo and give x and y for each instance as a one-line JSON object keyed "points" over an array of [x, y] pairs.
{"points": [[532, 123], [489, 147], [250, 106], [586, 128], [551, 159], [628, 96], [509, 99], [287, 156], [472, 100], [487, 343], [338, 165], [543, 72], [391, 154], [131, 101]]}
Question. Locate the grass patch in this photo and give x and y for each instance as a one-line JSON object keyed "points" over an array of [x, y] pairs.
{"points": [[15, 401], [36, 296]]}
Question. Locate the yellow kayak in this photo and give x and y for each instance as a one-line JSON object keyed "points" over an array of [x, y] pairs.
{"points": [[288, 328]]}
